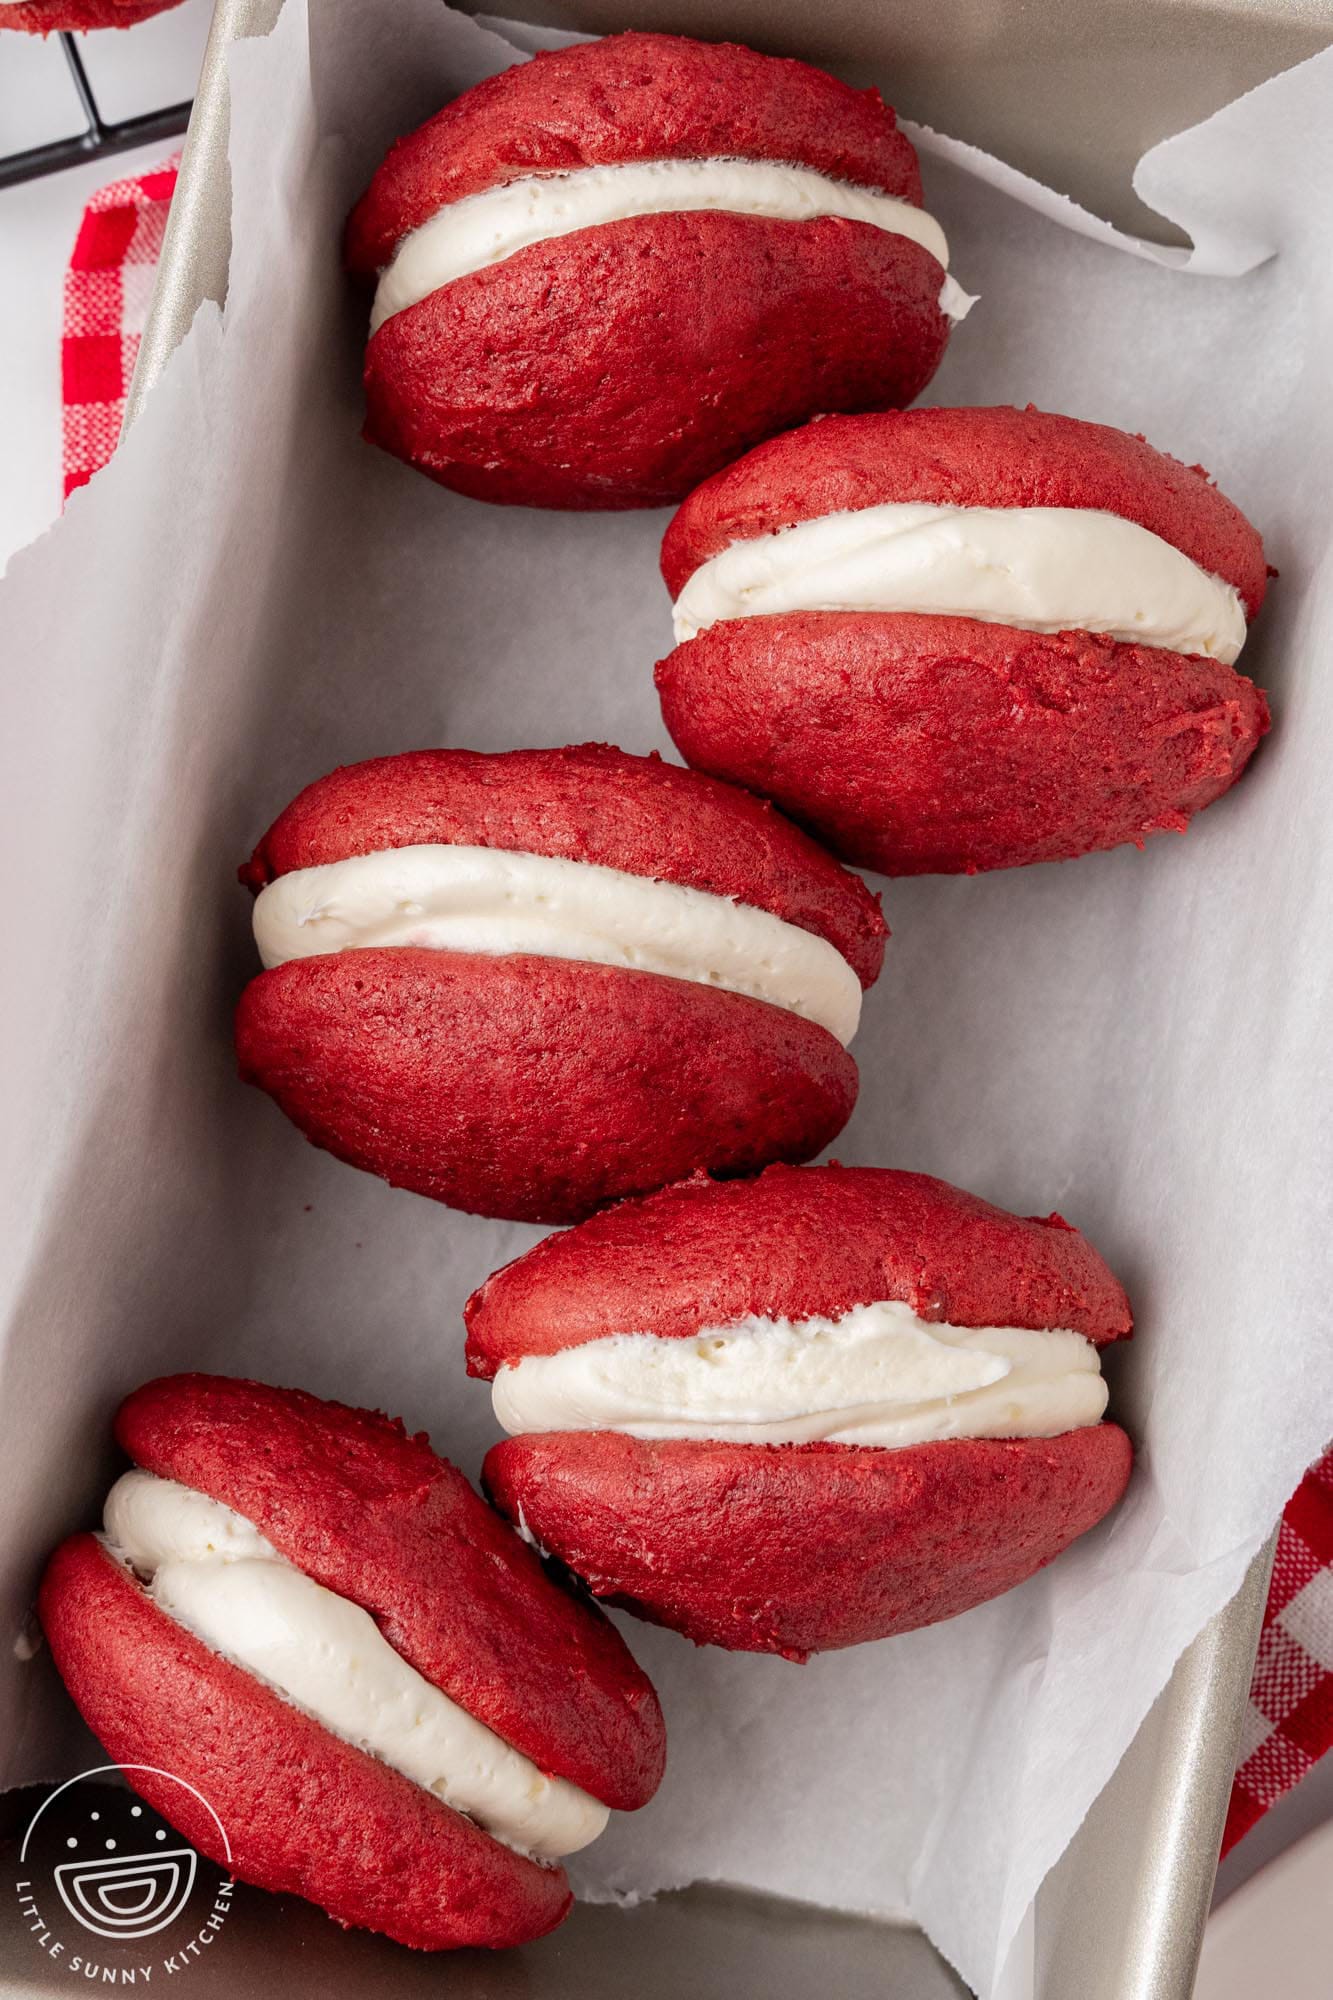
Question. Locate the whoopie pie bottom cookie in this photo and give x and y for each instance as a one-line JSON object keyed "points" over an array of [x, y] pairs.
{"points": [[302, 1612], [602, 274], [527, 984], [951, 640], [800, 1412], [49, 17]]}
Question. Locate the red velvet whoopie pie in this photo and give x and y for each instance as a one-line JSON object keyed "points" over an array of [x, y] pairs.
{"points": [[529, 983], [804, 1411], [50, 17], [952, 640], [280, 1582], [605, 272]]}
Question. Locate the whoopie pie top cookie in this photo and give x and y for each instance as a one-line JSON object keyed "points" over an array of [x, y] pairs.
{"points": [[530, 982], [957, 639], [300, 1609], [803, 1411], [802, 1248], [49, 17], [604, 272]]}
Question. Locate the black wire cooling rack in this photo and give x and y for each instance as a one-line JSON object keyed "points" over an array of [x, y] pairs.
{"points": [[98, 139]]}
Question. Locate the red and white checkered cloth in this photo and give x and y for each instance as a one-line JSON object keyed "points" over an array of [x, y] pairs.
{"points": [[1289, 1724], [1289, 1720], [108, 289]]}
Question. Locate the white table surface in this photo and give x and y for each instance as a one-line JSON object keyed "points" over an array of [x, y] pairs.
{"points": [[1272, 1935], [131, 70]]}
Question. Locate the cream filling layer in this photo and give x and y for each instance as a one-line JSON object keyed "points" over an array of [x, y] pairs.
{"points": [[214, 1573], [488, 900], [485, 228], [878, 1375], [1044, 569]]}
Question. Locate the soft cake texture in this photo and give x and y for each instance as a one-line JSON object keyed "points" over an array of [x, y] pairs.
{"points": [[369, 1513], [921, 742], [940, 746], [801, 1547], [485, 228], [591, 802], [629, 97], [463, 1602], [540, 1087], [794, 1243], [534, 1088], [996, 457], [215, 1574], [49, 17], [504, 905], [306, 1814], [568, 374]]}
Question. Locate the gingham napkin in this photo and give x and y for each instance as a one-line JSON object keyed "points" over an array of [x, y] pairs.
{"points": [[108, 289], [1289, 1720], [1289, 1724]]}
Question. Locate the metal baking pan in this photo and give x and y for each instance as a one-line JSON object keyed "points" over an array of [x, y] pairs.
{"points": [[1121, 1916]]}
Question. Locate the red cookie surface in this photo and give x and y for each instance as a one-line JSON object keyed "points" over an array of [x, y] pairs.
{"points": [[796, 1549], [924, 745], [568, 374], [966, 458], [794, 1244], [629, 97], [536, 1088], [49, 17], [377, 1517], [921, 744], [587, 803], [305, 1813]]}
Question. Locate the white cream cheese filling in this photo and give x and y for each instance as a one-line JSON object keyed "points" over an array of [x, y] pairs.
{"points": [[215, 1574], [1044, 569], [878, 1375], [489, 900], [485, 228]]}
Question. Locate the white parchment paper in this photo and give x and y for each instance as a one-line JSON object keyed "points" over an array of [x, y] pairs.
{"points": [[249, 595]]}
